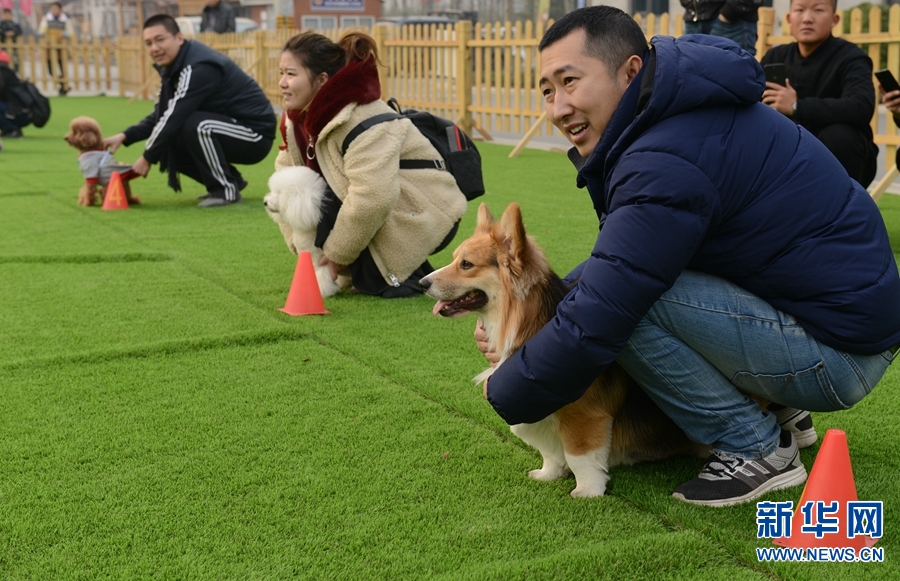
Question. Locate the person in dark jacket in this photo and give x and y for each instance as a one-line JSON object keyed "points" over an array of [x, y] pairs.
{"points": [[12, 118], [210, 115], [734, 19], [10, 31], [891, 100], [218, 17], [828, 87], [735, 255]]}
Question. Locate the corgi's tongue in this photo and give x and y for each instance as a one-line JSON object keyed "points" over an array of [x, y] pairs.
{"points": [[438, 306]]}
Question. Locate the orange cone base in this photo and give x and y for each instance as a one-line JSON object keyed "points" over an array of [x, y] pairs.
{"points": [[831, 479], [304, 298], [115, 198]]}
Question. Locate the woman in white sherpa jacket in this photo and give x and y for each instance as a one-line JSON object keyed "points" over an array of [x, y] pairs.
{"points": [[385, 221]]}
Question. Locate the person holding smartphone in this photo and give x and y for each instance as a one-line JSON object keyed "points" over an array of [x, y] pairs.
{"points": [[827, 87], [890, 96]]}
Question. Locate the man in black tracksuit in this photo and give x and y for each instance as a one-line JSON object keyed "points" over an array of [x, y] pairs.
{"points": [[828, 88], [210, 115]]}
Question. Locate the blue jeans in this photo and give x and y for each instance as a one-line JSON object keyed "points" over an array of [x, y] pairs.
{"points": [[699, 27], [11, 123], [706, 341], [742, 32]]}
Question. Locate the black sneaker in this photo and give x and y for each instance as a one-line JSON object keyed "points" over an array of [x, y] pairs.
{"points": [[727, 479], [12, 133], [797, 421]]}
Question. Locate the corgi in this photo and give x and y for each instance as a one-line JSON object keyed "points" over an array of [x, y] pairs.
{"points": [[502, 275]]}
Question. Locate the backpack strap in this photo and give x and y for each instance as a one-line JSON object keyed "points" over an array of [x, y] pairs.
{"points": [[404, 163], [370, 122]]}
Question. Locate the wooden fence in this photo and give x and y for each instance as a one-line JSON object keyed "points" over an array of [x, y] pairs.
{"points": [[482, 75]]}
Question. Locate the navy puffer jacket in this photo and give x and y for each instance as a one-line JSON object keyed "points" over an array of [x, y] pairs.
{"points": [[694, 173]]}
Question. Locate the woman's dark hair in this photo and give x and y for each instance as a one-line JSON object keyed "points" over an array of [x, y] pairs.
{"points": [[611, 35], [319, 54]]}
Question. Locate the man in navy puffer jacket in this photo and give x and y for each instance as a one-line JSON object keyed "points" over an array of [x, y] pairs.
{"points": [[735, 255]]}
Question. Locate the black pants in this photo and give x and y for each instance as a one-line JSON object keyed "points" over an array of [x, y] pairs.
{"points": [[210, 143], [364, 272], [854, 150], [61, 57]]}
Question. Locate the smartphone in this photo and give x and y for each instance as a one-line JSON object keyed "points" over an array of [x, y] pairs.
{"points": [[887, 80], [775, 73]]}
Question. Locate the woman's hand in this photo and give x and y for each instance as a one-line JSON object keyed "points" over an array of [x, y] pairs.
{"points": [[333, 266], [481, 341]]}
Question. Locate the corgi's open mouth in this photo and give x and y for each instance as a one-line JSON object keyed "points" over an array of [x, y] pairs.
{"points": [[471, 301]]}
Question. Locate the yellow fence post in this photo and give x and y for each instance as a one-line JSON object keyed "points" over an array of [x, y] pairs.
{"points": [[464, 75], [261, 58], [379, 33], [765, 27]]}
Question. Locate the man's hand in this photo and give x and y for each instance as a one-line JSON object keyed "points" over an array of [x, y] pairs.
{"points": [[333, 266], [891, 100], [141, 167], [481, 341], [780, 98], [113, 143]]}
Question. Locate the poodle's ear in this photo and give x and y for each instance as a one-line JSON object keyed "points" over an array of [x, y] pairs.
{"points": [[88, 137]]}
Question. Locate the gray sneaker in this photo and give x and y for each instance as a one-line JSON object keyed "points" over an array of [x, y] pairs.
{"points": [[797, 421], [212, 202], [727, 479], [241, 186]]}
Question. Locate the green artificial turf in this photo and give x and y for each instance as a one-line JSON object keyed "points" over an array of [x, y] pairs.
{"points": [[161, 419]]}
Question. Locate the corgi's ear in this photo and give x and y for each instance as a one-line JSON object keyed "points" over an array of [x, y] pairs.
{"points": [[485, 220], [513, 231]]}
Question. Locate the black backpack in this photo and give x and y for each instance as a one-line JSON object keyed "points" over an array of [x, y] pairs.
{"points": [[28, 100], [458, 153]]}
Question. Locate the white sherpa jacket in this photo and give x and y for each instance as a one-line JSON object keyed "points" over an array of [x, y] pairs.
{"points": [[401, 215]]}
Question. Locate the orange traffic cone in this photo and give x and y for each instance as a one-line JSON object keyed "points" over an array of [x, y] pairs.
{"points": [[115, 194], [304, 298], [831, 479]]}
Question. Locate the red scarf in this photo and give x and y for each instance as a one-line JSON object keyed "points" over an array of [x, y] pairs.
{"points": [[357, 82], [301, 137]]}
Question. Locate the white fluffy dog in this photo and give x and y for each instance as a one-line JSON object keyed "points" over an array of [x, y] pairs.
{"points": [[294, 202]]}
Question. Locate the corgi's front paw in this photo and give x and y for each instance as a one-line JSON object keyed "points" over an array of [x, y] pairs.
{"points": [[589, 491], [549, 473]]}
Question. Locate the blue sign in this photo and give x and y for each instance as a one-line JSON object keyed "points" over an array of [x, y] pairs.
{"points": [[337, 5]]}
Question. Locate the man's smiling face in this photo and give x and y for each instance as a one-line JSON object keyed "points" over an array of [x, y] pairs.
{"points": [[580, 94]]}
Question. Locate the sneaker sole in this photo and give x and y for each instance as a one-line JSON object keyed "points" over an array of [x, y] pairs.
{"points": [[793, 478]]}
